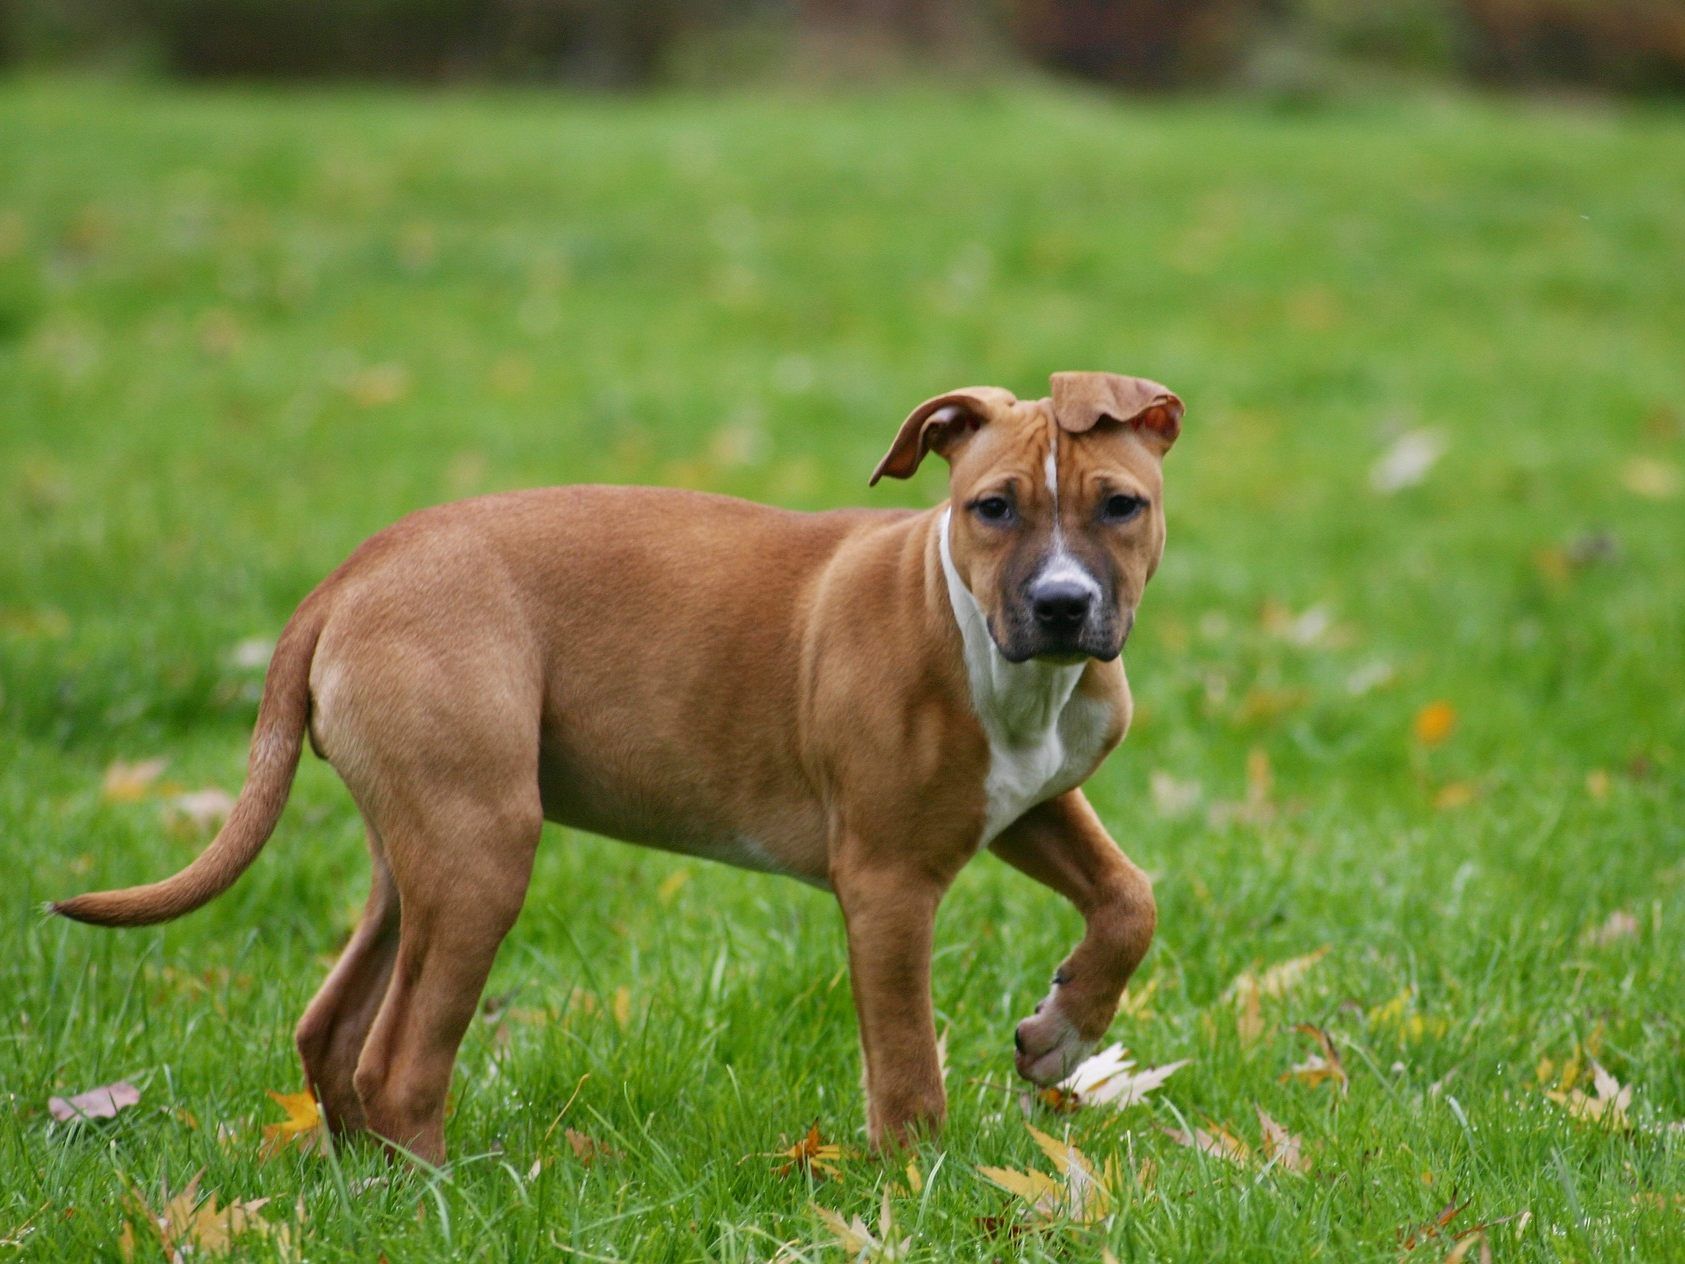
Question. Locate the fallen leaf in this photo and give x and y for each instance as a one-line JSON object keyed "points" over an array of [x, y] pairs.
{"points": [[1109, 1078], [201, 810], [1280, 1146], [1434, 722], [187, 1225], [1407, 461], [623, 1007], [301, 1128], [1605, 1105], [1651, 478], [812, 1156], [1617, 926], [1455, 794], [97, 1103], [129, 782], [588, 1149], [1080, 1194], [1251, 987], [859, 1242], [1319, 1068], [1216, 1141], [1172, 799], [252, 653], [670, 885], [1413, 1237]]}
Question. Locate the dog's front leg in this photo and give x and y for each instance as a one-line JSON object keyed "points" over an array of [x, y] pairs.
{"points": [[1062, 844], [889, 908]]}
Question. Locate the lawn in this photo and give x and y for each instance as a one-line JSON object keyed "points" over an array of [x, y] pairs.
{"points": [[1428, 726]]}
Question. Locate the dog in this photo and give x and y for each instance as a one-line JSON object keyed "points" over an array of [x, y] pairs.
{"points": [[861, 699]]}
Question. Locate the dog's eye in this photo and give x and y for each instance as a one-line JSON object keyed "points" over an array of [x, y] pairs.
{"points": [[1121, 507], [993, 509]]}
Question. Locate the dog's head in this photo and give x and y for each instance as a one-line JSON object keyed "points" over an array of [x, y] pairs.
{"points": [[1056, 514]]}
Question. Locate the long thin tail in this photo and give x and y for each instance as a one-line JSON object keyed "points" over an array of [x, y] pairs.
{"points": [[281, 717]]}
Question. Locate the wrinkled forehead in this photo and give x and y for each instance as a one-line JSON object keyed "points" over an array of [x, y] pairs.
{"points": [[1024, 442]]}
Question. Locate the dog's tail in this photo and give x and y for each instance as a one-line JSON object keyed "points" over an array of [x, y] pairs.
{"points": [[281, 720]]}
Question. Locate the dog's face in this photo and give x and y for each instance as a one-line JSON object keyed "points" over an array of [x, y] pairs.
{"points": [[1056, 515]]}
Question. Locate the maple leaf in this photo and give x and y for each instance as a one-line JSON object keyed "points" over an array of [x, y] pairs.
{"points": [[1606, 1105], [1319, 1067], [188, 1223], [302, 1127], [1413, 1237], [97, 1103], [811, 1155], [1108, 1078], [1079, 1192], [1280, 1146]]}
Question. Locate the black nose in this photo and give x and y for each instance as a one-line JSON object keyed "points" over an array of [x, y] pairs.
{"points": [[1061, 606]]}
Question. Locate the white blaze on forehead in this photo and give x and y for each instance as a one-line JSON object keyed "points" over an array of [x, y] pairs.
{"points": [[1060, 566]]}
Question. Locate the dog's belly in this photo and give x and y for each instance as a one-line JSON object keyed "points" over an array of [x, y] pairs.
{"points": [[649, 806]]}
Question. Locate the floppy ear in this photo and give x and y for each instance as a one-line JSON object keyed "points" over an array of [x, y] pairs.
{"points": [[940, 425], [1082, 400]]}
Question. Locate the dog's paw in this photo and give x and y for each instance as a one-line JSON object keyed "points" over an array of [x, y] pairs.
{"points": [[1049, 1045]]}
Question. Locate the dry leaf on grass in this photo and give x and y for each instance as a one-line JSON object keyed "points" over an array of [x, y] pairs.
{"points": [[859, 1242], [1280, 1146], [812, 1155], [1319, 1068], [587, 1149], [1216, 1141], [1079, 1192], [97, 1103], [128, 782], [199, 810], [1605, 1105], [187, 1226], [302, 1128], [1434, 723], [1251, 987], [1109, 1078], [1407, 461], [1617, 926]]}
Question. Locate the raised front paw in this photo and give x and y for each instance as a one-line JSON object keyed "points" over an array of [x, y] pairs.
{"points": [[1049, 1045]]}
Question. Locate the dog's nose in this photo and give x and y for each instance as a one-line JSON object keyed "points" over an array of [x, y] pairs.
{"points": [[1060, 605]]}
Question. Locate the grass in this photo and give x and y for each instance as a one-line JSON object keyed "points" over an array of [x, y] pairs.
{"points": [[241, 330]]}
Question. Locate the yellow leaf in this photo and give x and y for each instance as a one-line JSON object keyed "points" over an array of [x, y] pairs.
{"points": [[1606, 1105], [1455, 794], [128, 783], [811, 1155], [670, 885], [1216, 1141], [623, 1006], [1597, 784], [1651, 478], [1434, 723], [302, 1126]]}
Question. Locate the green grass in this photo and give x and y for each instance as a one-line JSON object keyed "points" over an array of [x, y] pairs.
{"points": [[241, 330]]}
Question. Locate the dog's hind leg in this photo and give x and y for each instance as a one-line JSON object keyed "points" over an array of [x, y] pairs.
{"points": [[462, 873], [330, 1036]]}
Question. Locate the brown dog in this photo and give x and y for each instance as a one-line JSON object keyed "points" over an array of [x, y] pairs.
{"points": [[860, 699]]}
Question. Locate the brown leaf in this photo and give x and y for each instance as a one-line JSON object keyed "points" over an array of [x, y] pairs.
{"points": [[1216, 1141], [588, 1149], [97, 1103], [1281, 1146], [812, 1156], [1413, 1237], [188, 1225], [1606, 1105], [1319, 1068]]}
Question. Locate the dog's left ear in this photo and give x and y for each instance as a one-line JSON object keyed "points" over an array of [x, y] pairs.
{"points": [[940, 425], [1082, 401]]}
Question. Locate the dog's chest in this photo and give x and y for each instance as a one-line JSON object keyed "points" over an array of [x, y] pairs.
{"points": [[1044, 738]]}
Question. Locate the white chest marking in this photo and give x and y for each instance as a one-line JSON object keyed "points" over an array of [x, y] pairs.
{"points": [[1043, 735]]}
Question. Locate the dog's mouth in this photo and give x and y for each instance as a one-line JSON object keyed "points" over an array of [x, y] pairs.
{"points": [[1020, 644]]}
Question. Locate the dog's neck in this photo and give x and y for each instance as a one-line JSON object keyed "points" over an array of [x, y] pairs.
{"points": [[1017, 703]]}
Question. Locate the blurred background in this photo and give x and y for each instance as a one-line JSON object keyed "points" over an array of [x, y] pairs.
{"points": [[1408, 683], [1289, 48]]}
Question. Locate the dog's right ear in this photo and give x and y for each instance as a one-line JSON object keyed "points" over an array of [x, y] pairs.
{"points": [[940, 425]]}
